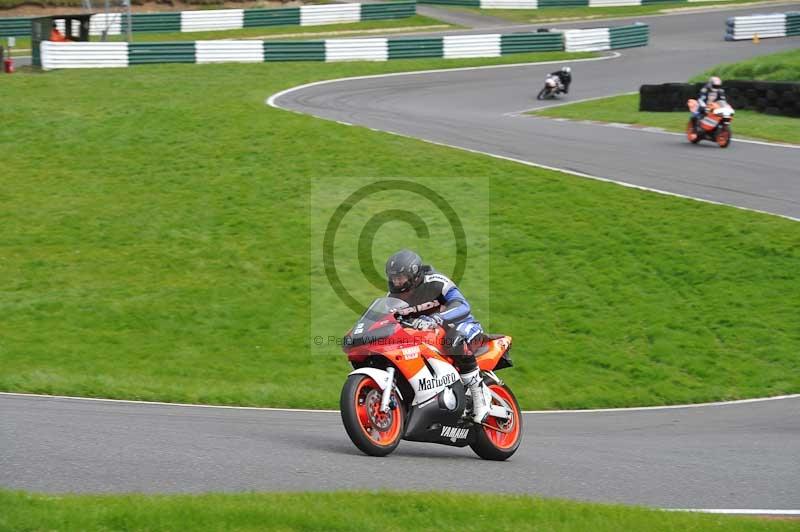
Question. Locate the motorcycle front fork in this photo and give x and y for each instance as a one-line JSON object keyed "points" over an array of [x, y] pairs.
{"points": [[387, 392]]}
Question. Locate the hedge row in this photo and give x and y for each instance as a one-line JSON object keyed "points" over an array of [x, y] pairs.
{"points": [[772, 97]]}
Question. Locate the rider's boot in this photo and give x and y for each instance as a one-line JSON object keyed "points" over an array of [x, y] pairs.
{"points": [[480, 404]]}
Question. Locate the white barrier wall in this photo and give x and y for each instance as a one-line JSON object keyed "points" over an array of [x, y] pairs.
{"points": [[472, 46], [329, 14], [614, 3], [773, 25], [84, 54], [229, 51], [509, 4], [587, 40], [356, 50], [212, 20]]}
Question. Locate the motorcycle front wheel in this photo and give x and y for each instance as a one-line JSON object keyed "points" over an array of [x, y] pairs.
{"points": [[501, 439], [542, 94], [374, 432], [691, 133], [724, 137]]}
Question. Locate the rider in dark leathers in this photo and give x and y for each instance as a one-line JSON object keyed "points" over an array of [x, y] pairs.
{"points": [[564, 75], [417, 284], [710, 92]]}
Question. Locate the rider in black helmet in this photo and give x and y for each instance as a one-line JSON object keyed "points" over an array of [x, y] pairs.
{"points": [[416, 283]]}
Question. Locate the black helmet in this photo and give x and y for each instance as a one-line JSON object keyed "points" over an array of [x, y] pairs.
{"points": [[403, 271]]}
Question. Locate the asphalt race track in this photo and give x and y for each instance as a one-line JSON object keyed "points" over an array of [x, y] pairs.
{"points": [[738, 456], [480, 110], [741, 455]]}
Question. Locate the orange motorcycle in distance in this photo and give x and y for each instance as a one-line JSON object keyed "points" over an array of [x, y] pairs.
{"points": [[714, 126], [405, 386]]}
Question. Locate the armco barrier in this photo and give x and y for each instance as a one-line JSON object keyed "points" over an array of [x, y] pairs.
{"points": [[629, 36], [408, 48], [765, 26], [539, 4], [15, 27], [161, 52], [772, 97], [68, 55], [229, 19], [598, 39]]}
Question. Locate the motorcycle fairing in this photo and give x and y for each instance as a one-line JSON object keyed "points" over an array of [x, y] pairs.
{"points": [[436, 421]]}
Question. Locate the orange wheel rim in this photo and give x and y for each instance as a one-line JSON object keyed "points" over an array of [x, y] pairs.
{"points": [[503, 440], [382, 428]]}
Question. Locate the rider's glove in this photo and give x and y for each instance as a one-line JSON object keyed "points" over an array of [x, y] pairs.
{"points": [[424, 322]]}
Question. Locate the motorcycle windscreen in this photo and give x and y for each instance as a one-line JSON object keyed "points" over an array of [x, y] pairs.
{"points": [[376, 322]]}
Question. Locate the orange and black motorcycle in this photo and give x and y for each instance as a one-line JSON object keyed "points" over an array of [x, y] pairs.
{"points": [[405, 387], [715, 125]]}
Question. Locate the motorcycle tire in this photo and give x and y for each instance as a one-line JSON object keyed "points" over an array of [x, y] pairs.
{"points": [[373, 432], [491, 444], [542, 94], [724, 137], [691, 133]]}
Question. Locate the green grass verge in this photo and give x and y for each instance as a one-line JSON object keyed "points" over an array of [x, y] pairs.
{"points": [[156, 246], [574, 13], [417, 23], [625, 110], [782, 66], [346, 511]]}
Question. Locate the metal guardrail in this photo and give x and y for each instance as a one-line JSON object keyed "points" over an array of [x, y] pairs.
{"points": [[229, 19], [764, 26], [68, 55], [539, 4]]}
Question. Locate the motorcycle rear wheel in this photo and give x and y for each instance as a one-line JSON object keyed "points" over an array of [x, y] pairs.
{"points": [[492, 444], [375, 433]]}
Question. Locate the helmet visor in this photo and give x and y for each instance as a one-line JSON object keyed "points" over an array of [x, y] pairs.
{"points": [[400, 281]]}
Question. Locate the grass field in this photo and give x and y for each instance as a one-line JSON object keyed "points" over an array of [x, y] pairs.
{"points": [[573, 13], [783, 66], [347, 511], [156, 246], [415, 23]]}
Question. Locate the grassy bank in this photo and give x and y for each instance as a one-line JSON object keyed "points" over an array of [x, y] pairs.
{"points": [[782, 66], [348, 511], [156, 246]]}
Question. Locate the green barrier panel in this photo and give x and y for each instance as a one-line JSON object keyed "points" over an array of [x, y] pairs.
{"points": [[294, 51], [646, 2], [404, 48], [143, 53], [792, 24], [388, 11], [515, 43], [629, 36], [254, 18], [563, 3], [153, 22], [469, 3], [15, 27]]}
